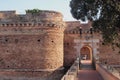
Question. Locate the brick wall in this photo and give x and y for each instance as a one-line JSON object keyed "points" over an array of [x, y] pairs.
{"points": [[32, 47]]}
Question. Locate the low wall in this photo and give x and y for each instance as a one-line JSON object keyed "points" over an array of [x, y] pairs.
{"points": [[31, 75], [72, 72], [104, 73]]}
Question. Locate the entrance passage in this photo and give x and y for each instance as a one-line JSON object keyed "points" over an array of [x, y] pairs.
{"points": [[85, 53], [87, 69], [89, 75]]}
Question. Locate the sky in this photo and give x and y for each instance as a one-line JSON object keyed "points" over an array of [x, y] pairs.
{"points": [[21, 5]]}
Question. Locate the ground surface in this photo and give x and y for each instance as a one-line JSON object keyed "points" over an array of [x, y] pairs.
{"points": [[87, 72]]}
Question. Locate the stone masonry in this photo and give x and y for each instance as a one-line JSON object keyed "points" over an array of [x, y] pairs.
{"points": [[38, 46], [31, 44]]}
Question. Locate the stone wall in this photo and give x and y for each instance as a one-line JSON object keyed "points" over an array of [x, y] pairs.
{"points": [[21, 51], [7, 14], [109, 55], [32, 47], [70, 53], [73, 42], [104, 73], [33, 43], [43, 15]]}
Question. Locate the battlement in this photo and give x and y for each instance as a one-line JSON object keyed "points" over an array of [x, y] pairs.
{"points": [[7, 14], [42, 19], [43, 15], [32, 24]]}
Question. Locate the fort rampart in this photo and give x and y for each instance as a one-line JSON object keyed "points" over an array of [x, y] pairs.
{"points": [[31, 43]]}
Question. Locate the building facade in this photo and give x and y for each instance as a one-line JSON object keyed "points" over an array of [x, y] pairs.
{"points": [[40, 45]]}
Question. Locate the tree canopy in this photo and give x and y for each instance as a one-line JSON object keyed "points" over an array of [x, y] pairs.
{"points": [[33, 11], [105, 15]]}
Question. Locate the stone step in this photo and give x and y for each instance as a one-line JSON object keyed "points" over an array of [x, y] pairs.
{"points": [[86, 67]]}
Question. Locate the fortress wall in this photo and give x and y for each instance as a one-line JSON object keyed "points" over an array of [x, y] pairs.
{"points": [[21, 51], [105, 53], [70, 53], [31, 48], [109, 55], [7, 14], [32, 55], [104, 73], [72, 33], [45, 15]]}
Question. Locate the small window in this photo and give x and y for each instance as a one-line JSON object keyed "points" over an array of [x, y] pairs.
{"points": [[7, 51], [6, 40], [3, 24], [16, 24], [73, 32], [25, 24], [20, 24], [52, 41], [38, 40], [67, 43], [7, 24], [11, 24], [30, 24], [103, 43]]}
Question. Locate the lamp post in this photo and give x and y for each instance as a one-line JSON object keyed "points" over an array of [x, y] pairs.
{"points": [[79, 56], [91, 32], [80, 30]]}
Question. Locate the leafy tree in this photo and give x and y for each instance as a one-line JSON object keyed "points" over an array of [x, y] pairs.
{"points": [[33, 11], [105, 15]]}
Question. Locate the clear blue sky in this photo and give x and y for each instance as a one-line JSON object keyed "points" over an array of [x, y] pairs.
{"points": [[21, 5]]}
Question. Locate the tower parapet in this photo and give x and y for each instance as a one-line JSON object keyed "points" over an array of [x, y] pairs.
{"points": [[45, 16]]}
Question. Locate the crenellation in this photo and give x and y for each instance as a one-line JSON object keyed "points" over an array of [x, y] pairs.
{"points": [[7, 14], [33, 25], [11, 16]]}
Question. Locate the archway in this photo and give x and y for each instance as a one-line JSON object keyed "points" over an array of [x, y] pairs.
{"points": [[86, 54]]}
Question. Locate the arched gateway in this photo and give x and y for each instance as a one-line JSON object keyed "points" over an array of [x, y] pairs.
{"points": [[86, 54]]}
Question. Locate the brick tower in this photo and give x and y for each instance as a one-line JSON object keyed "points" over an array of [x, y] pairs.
{"points": [[31, 45]]}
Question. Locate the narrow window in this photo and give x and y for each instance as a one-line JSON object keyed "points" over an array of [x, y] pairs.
{"points": [[38, 40]]}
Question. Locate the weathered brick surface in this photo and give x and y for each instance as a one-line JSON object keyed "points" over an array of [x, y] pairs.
{"points": [[15, 75], [72, 33], [33, 43], [70, 53], [31, 51], [109, 55]]}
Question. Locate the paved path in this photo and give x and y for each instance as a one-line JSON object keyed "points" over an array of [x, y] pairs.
{"points": [[89, 75], [87, 72]]}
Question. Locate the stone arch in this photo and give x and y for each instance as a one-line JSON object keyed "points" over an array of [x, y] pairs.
{"points": [[86, 53]]}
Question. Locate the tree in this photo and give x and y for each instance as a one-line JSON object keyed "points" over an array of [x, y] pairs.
{"points": [[33, 11], [105, 15]]}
